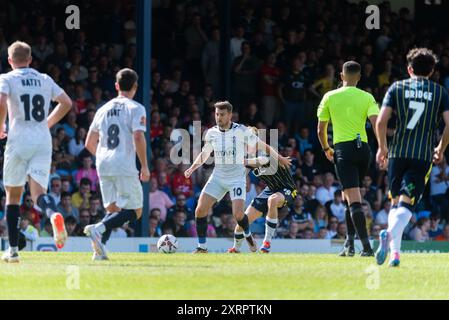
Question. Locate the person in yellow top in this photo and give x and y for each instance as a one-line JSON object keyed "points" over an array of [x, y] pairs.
{"points": [[348, 108]]}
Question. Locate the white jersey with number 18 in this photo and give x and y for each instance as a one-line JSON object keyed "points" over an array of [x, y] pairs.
{"points": [[29, 98], [116, 123]]}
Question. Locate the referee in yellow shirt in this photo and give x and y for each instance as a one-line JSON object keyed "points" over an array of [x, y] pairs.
{"points": [[348, 108]]}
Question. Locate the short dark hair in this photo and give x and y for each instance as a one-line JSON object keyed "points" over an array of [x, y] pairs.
{"points": [[126, 79], [224, 105], [70, 220], [85, 181], [65, 194], [422, 60], [351, 67]]}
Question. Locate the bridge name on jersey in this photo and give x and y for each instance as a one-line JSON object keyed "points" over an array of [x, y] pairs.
{"points": [[115, 112], [31, 83], [410, 94]]}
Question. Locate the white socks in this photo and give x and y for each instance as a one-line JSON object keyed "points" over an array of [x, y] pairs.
{"points": [[398, 219], [238, 240], [100, 227], [270, 229]]}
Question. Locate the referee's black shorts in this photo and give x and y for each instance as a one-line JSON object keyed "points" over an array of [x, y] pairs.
{"points": [[351, 163]]}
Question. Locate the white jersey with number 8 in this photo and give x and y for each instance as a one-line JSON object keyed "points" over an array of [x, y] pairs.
{"points": [[116, 123]]}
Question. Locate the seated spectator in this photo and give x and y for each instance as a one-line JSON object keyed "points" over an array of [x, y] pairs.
{"points": [[55, 189], [70, 125], [323, 234], [180, 205], [308, 168], [154, 229], [303, 141], [307, 234], [83, 221], [382, 215], [76, 144], [445, 235], [71, 226], [371, 191], [228, 228], [66, 208], [159, 199], [332, 227], [178, 224], [439, 178], [80, 199], [27, 210], [341, 231], [87, 171], [320, 218], [337, 208], [47, 230], [435, 227], [27, 232], [420, 232], [374, 232], [293, 231], [298, 215], [326, 192], [180, 184], [96, 210]]}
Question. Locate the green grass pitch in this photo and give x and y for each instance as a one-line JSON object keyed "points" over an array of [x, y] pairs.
{"points": [[221, 276]]}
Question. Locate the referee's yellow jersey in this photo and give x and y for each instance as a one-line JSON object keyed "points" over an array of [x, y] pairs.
{"points": [[348, 108]]}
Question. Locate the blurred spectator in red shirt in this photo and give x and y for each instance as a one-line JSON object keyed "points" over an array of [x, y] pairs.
{"points": [[181, 184], [27, 210]]}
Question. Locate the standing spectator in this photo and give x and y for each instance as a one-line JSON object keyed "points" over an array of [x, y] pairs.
{"points": [[211, 61], [269, 75], [87, 171], [195, 38], [326, 192], [66, 208], [292, 92], [245, 68], [236, 42], [159, 199], [326, 83]]}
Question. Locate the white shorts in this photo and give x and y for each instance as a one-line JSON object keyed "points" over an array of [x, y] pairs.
{"points": [[218, 187], [23, 161], [125, 192]]}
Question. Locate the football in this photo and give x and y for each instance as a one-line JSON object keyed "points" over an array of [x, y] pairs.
{"points": [[167, 244]]}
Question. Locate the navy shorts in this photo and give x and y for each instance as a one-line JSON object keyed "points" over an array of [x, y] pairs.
{"points": [[260, 203], [408, 177]]}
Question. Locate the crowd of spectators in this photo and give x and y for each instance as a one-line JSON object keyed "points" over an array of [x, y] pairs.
{"points": [[286, 54]]}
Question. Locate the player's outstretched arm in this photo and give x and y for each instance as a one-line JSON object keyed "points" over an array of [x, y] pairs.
{"points": [[322, 136], [141, 150], [381, 133], [444, 142], [284, 162], [3, 113], [64, 106], [200, 160]]}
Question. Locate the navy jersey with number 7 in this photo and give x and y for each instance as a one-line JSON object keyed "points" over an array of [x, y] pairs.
{"points": [[418, 104]]}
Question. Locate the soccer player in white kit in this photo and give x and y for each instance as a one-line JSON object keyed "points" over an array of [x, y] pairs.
{"points": [[26, 95], [117, 133], [229, 143]]}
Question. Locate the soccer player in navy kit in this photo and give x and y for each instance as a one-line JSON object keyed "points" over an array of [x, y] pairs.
{"points": [[418, 104]]}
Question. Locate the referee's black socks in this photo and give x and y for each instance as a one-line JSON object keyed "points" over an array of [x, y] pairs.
{"points": [[350, 229], [358, 218]]}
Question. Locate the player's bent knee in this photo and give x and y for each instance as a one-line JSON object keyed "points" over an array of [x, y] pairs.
{"points": [[113, 208], [138, 213], [274, 200]]}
